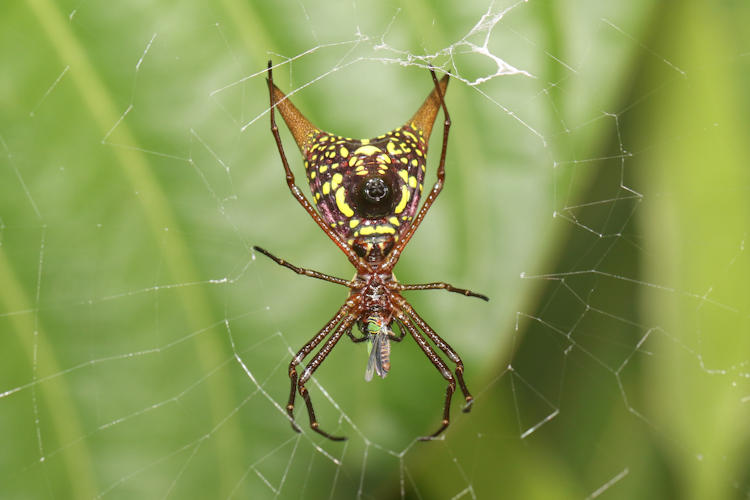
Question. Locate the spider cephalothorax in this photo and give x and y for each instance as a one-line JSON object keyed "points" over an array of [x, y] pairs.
{"points": [[367, 197]]}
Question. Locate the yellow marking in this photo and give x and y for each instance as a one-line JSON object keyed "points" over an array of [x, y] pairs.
{"points": [[361, 172], [420, 187], [364, 141], [315, 157], [404, 160], [312, 175], [367, 230], [335, 165], [414, 162], [326, 188], [394, 221], [404, 175], [384, 230], [391, 148], [350, 242], [418, 151], [341, 203], [412, 182], [307, 165], [323, 168], [384, 159], [359, 162], [344, 152], [359, 168], [367, 150], [404, 199], [336, 181], [317, 197], [409, 134], [353, 223], [381, 136], [422, 167]]}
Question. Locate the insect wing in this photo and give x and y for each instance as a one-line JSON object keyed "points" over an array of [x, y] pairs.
{"points": [[380, 356]]}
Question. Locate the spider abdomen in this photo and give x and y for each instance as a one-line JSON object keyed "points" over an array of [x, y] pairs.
{"points": [[367, 187]]}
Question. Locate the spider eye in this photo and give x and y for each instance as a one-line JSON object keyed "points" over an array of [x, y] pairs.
{"points": [[374, 197]]}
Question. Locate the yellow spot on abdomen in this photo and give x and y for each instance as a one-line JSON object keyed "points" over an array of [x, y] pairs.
{"points": [[336, 181], [384, 230], [326, 188], [341, 203], [404, 200], [409, 134], [344, 152], [367, 150], [391, 148]]}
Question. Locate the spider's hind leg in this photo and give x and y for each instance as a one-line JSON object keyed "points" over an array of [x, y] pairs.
{"points": [[446, 348], [319, 357], [440, 365], [302, 353]]}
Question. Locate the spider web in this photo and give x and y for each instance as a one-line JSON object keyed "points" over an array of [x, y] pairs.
{"points": [[145, 346]]}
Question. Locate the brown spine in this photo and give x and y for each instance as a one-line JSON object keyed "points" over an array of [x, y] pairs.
{"points": [[424, 118]]}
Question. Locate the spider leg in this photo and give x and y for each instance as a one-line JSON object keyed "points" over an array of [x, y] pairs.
{"points": [[402, 332], [301, 270], [306, 349], [440, 286], [313, 365], [356, 340], [436, 188], [441, 367], [276, 98], [443, 346]]}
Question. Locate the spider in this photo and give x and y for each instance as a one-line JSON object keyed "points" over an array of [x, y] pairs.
{"points": [[366, 195]]}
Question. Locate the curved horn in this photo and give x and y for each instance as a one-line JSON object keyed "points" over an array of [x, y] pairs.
{"points": [[299, 126], [424, 118]]}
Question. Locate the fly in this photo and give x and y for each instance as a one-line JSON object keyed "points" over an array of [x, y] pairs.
{"points": [[379, 347]]}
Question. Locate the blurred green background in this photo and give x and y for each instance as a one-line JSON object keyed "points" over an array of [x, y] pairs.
{"points": [[600, 200]]}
